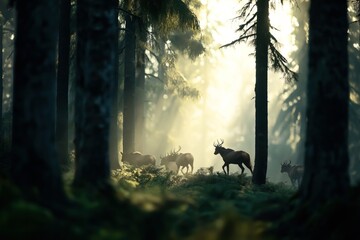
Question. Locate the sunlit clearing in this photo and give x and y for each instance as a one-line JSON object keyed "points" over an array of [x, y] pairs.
{"points": [[226, 81]]}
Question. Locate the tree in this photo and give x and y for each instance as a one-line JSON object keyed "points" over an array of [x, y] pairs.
{"points": [[354, 107], [1, 82], [140, 85], [257, 28], [262, 42], [34, 166], [5, 15], [62, 112], [326, 147], [95, 73], [129, 86], [114, 128]]}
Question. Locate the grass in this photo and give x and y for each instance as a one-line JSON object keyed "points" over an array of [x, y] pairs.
{"points": [[151, 203]]}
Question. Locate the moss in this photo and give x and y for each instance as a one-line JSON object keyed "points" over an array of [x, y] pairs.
{"points": [[152, 202]]}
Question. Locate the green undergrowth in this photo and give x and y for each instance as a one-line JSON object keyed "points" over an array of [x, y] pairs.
{"points": [[149, 203]]}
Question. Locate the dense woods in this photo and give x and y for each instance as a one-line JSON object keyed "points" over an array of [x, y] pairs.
{"points": [[105, 103]]}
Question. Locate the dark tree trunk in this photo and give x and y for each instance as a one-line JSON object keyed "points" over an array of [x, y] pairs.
{"points": [[261, 105], [1, 86], [140, 87], [96, 34], [62, 113], [35, 168], [326, 147], [129, 86], [114, 127]]}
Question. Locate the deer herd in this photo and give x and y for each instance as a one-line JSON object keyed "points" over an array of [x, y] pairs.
{"points": [[176, 161]]}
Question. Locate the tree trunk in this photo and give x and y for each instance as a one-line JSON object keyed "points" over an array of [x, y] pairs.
{"points": [[35, 168], [114, 128], [1, 88], [62, 114], [129, 86], [326, 147], [261, 105], [140, 88], [96, 34]]}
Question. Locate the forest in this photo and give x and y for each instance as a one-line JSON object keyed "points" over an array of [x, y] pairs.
{"points": [[180, 119]]}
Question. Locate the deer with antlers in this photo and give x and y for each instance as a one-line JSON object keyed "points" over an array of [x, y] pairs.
{"points": [[295, 172], [181, 159], [232, 157]]}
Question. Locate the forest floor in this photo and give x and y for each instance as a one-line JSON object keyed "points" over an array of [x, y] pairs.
{"points": [[151, 203]]}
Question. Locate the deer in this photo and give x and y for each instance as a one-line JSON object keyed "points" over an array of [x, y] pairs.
{"points": [[181, 159], [295, 172], [137, 159], [231, 156]]}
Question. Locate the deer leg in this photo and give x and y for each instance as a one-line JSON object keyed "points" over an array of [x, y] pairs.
{"points": [[292, 182], [223, 167], [242, 168], [248, 165], [227, 168]]}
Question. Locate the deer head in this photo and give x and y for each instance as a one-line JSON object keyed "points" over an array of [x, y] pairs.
{"points": [[285, 166], [218, 146]]}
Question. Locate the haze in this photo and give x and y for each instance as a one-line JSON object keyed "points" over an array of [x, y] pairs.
{"points": [[226, 79]]}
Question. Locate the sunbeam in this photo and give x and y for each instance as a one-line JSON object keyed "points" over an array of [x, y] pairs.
{"points": [[225, 78]]}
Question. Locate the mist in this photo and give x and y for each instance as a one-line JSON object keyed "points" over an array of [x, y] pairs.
{"points": [[225, 78]]}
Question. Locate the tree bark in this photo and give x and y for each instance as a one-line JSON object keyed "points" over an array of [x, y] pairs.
{"points": [[35, 168], [129, 86], [96, 34], [1, 87], [326, 147], [114, 127], [140, 87], [261, 104], [62, 113]]}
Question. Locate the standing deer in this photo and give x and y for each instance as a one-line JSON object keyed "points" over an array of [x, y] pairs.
{"points": [[232, 157], [137, 159], [181, 159], [295, 172]]}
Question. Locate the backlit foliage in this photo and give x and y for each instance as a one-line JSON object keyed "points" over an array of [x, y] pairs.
{"points": [[167, 206]]}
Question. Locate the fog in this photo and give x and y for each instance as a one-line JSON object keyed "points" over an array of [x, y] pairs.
{"points": [[226, 80]]}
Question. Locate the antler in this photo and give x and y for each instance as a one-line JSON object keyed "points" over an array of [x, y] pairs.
{"points": [[174, 152], [178, 150], [218, 144], [286, 163]]}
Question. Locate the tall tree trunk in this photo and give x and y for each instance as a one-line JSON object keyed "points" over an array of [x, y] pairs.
{"points": [[62, 113], [1, 86], [35, 168], [96, 34], [261, 104], [326, 147], [129, 86], [140, 87], [114, 128]]}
